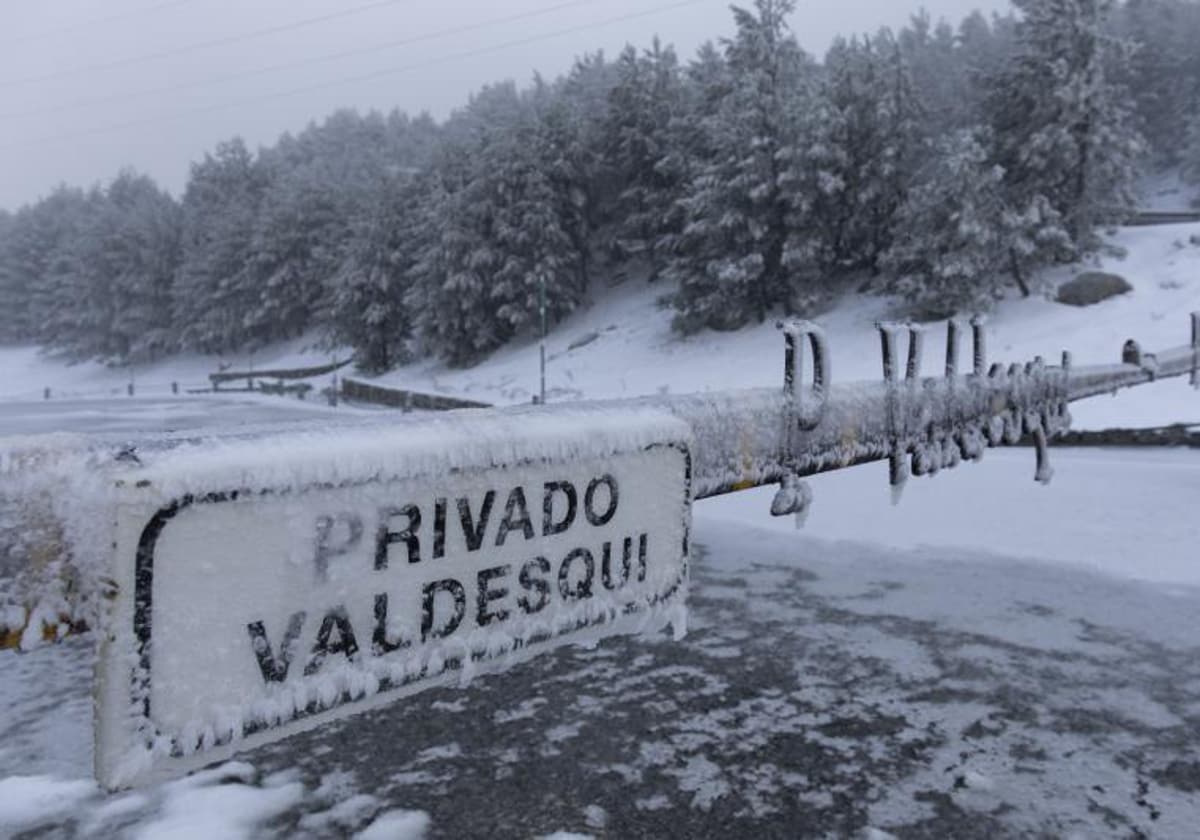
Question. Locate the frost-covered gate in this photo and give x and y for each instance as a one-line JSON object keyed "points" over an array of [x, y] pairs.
{"points": [[265, 584]]}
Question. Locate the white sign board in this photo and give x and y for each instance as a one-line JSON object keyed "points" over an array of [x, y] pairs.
{"points": [[267, 587]]}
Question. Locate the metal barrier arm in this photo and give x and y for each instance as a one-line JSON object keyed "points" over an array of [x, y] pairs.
{"points": [[920, 424], [763, 436]]}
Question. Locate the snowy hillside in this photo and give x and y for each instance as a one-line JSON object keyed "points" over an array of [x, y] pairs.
{"points": [[629, 350]]}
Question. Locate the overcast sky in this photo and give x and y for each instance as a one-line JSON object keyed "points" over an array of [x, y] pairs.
{"points": [[89, 86]]}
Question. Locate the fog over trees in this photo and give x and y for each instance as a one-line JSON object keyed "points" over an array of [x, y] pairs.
{"points": [[943, 162]]}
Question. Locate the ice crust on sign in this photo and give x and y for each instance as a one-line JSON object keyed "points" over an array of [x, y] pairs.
{"points": [[55, 530], [421, 446], [247, 522]]}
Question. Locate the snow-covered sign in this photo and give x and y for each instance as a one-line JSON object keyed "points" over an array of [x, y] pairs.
{"points": [[263, 587]]}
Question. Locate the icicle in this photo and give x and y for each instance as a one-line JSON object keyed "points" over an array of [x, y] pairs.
{"points": [[897, 476], [1045, 472], [951, 454], [897, 490]]}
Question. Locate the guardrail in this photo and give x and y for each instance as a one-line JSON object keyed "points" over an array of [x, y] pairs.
{"points": [[1176, 434], [1163, 217], [352, 389]]}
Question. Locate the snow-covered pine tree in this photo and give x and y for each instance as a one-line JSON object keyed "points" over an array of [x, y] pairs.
{"points": [[872, 141], [732, 259], [958, 244], [363, 307], [215, 287], [940, 74], [574, 112], [987, 46], [47, 254], [451, 282], [12, 324], [1063, 129], [497, 223], [25, 250], [299, 231], [320, 184], [1163, 72], [447, 291], [688, 147], [1190, 158], [568, 165], [646, 98], [382, 183], [138, 249]]}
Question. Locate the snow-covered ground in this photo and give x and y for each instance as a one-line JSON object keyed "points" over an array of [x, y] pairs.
{"points": [[911, 678], [93, 398], [989, 658], [1167, 191], [28, 371]]}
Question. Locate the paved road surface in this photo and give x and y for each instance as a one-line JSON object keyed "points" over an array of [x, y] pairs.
{"points": [[824, 689], [155, 414]]}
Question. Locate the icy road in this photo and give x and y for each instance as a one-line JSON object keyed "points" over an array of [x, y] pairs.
{"points": [[892, 685], [121, 415]]}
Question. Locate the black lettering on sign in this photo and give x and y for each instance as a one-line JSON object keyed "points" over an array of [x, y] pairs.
{"points": [[380, 643], [346, 643], [385, 536], [484, 615], [274, 669], [567, 490], [606, 575], [439, 529], [516, 513], [473, 531], [429, 600], [328, 546], [589, 500], [583, 588], [534, 584]]}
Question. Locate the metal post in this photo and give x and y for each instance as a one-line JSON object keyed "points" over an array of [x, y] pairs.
{"points": [[979, 340], [916, 344], [542, 346], [887, 339], [951, 349], [897, 468], [1196, 349]]}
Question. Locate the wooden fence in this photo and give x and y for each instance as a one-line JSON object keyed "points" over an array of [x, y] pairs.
{"points": [[292, 373]]}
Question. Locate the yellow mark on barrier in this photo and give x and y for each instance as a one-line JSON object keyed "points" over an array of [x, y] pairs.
{"points": [[747, 463]]}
